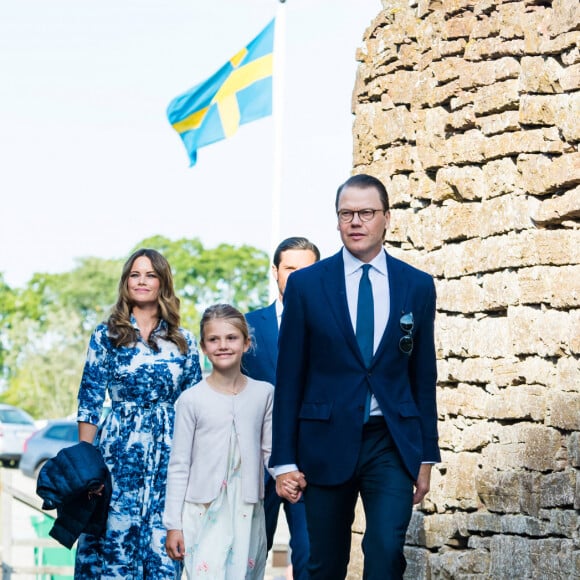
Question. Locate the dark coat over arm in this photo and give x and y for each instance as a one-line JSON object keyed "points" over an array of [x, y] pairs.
{"points": [[78, 484]]}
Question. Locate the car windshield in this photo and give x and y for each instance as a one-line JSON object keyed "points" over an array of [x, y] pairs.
{"points": [[15, 416]]}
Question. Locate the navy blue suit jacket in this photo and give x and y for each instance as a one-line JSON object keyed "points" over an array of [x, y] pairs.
{"points": [[260, 361], [322, 380]]}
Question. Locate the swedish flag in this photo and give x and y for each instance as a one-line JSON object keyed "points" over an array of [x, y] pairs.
{"points": [[239, 92]]}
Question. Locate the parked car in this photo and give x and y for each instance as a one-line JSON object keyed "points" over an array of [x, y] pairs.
{"points": [[46, 443], [16, 426]]}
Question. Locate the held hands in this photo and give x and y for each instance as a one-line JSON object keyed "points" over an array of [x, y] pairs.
{"points": [[423, 483], [175, 545], [290, 485]]}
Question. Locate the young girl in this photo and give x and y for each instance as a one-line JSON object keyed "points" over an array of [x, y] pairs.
{"points": [[214, 510]]}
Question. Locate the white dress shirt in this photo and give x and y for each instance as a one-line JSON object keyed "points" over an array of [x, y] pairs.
{"points": [[381, 297]]}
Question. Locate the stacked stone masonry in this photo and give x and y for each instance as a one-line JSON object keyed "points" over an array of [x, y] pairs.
{"points": [[470, 112]]}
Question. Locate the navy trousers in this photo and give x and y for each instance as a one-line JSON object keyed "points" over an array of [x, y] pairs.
{"points": [[296, 518], [386, 490]]}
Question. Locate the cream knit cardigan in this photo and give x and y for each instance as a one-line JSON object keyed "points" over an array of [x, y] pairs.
{"points": [[199, 452]]}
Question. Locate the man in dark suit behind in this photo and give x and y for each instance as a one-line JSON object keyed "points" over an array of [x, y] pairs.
{"points": [[355, 405], [260, 363]]}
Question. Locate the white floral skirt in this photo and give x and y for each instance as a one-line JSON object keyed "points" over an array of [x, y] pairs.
{"points": [[226, 539]]}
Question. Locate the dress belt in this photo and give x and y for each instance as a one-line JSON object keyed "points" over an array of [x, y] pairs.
{"points": [[140, 404]]}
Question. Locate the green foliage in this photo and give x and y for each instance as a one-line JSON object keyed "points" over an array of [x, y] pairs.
{"points": [[48, 334], [7, 310], [45, 327], [90, 289], [206, 276], [47, 365]]}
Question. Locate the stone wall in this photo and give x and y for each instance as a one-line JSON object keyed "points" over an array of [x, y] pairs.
{"points": [[470, 112]]}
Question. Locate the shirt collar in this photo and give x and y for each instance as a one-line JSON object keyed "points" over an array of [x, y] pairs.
{"points": [[161, 325], [352, 264]]}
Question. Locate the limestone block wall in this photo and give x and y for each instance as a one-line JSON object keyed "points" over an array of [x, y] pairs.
{"points": [[470, 112]]}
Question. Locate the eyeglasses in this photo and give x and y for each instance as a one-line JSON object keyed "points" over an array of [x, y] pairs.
{"points": [[365, 215], [407, 325]]}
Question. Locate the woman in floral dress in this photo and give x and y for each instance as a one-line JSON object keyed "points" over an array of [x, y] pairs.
{"points": [[143, 361]]}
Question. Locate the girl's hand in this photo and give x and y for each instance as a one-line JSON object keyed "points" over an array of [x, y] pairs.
{"points": [[175, 545]]}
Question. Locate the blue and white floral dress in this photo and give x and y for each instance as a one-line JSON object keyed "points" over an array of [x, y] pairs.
{"points": [[135, 439]]}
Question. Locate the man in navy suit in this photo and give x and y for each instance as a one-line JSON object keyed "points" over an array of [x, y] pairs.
{"points": [[260, 363], [347, 423]]}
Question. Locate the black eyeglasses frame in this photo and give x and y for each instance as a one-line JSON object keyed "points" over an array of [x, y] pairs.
{"points": [[346, 216]]}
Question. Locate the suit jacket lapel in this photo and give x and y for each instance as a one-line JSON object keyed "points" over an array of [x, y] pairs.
{"points": [[333, 280]]}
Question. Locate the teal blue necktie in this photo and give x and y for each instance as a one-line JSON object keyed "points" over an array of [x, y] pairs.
{"points": [[365, 324]]}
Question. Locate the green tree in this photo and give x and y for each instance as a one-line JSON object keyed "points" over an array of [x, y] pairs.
{"points": [[48, 365], [45, 327], [237, 275], [48, 334], [7, 310]]}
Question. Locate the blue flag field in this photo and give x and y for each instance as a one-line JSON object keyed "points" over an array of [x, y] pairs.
{"points": [[239, 92]]}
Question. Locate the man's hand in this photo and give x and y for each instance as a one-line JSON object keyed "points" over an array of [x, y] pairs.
{"points": [[175, 545], [423, 483], [290, 485]]}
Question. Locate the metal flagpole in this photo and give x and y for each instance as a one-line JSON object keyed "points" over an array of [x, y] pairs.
{"points": [[277, 113]]}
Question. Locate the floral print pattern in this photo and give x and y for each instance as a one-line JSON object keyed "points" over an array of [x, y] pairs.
{"points": [[226, 539], [135, 438]]}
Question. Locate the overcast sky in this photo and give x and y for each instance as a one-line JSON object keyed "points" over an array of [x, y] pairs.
{"points": [[89, 163]]}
